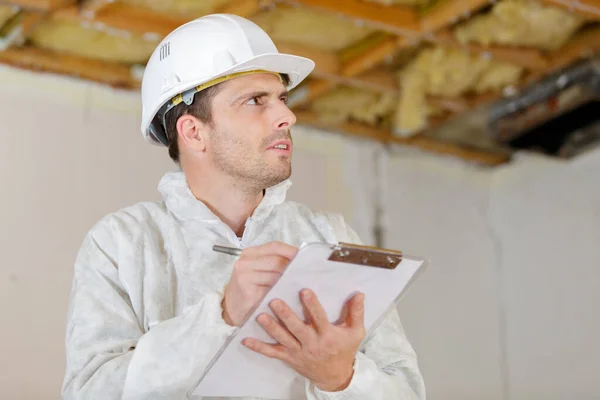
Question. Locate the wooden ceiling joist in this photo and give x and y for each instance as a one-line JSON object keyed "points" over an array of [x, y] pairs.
{"points": [[42, 5], [448, 12], [35, 59], [583, 45], [529, 58], [89, 7], [245, 8], [350, 69], [589, 9], [374, 56], [399, 20], [421, 142], [325, 62], [119, 16]]}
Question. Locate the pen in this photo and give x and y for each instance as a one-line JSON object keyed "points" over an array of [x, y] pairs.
{"points": [[232, 251]]}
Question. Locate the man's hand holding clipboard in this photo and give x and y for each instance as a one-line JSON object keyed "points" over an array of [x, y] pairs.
{"points": [[317, 349], [352, 288]]}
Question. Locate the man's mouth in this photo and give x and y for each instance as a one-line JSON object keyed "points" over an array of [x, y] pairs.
{"points": [[282, 145]]}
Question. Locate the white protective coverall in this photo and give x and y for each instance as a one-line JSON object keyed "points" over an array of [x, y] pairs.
{"points": [[145, 312]]}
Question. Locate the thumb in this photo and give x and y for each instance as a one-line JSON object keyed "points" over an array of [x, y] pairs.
{"points": [[356, 311]]}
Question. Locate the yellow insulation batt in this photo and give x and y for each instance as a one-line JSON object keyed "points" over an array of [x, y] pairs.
{"points": [[93, 42], [186, 9], [521, 23], [320, 30], [446, 72], [346, 103], [6, 13], [400, 2]]}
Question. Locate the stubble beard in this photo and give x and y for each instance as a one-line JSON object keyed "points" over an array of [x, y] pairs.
{"points": [[248, 167]]}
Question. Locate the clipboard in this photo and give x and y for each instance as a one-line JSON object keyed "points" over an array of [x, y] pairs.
{"points": [[335, 272]]}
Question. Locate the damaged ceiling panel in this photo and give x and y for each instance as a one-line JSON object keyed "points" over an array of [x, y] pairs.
{"points": [[379, 73]]}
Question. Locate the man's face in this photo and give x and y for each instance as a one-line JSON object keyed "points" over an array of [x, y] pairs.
{"points": [[251, 139]]}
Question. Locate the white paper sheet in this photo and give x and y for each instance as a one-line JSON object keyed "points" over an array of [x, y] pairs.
{"points": [[240, 372]]}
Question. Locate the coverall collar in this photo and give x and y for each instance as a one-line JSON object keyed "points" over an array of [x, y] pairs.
{"points": [[181, 202]]}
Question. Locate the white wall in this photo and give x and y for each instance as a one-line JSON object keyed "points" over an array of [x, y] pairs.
{"points": [[71, 152], [508, 308]]}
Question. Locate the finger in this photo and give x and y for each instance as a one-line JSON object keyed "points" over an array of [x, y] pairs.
{"points": [[278, 332], [269, 350], [272, 248], [292, 322], [356, 312], [261, 278], [263, 263], [314, 310]]}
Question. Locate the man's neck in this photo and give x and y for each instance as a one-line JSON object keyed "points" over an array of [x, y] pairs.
{"points": [[232, 202]]}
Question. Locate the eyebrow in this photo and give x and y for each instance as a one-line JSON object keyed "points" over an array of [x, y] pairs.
{"points": [[259, 93]]}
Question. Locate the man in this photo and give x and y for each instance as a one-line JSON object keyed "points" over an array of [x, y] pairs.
{"points": [[151, 303]]}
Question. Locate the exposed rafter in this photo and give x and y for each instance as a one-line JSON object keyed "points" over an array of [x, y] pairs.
{"points": [[374, 56], [399, 20], [245, 8], [586, 8], [42, 5], [529, 58], [421, 142], [35, 59], [136, 20], [446, 12], [90, 7], [583, 45], [372, 62]]}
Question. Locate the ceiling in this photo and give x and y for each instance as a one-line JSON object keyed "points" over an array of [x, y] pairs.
{"points": [[389, 70]]}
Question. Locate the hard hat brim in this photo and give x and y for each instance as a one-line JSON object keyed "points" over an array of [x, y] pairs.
{"points": [[297, 68]]}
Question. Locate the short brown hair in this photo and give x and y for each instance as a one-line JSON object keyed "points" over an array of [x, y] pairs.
{"points": [[200, 108]]}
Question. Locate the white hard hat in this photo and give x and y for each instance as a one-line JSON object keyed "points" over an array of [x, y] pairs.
{"points": [[202, 53]]}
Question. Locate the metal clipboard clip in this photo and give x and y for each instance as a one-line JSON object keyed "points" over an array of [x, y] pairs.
{"points": [[366, 255]]}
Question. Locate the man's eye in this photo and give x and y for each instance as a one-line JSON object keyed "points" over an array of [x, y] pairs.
{"points": [[254, 101], [284, 99]]}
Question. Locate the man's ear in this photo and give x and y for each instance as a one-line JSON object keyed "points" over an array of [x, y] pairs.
{"points": [[192, 133]]}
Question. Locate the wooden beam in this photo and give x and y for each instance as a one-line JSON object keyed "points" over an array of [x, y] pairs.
{"points": [[419, 141], [245, 8], [310, 91], [42, 5], [142, 21], [455, 105], [21, 28], [374, 56], [589, 9], [35, 59], [381, 77], [137, 20], [529, 58], [29, 21], [325, 62], [582, 45], [448, 12], [89, 8], [399, 20]]}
